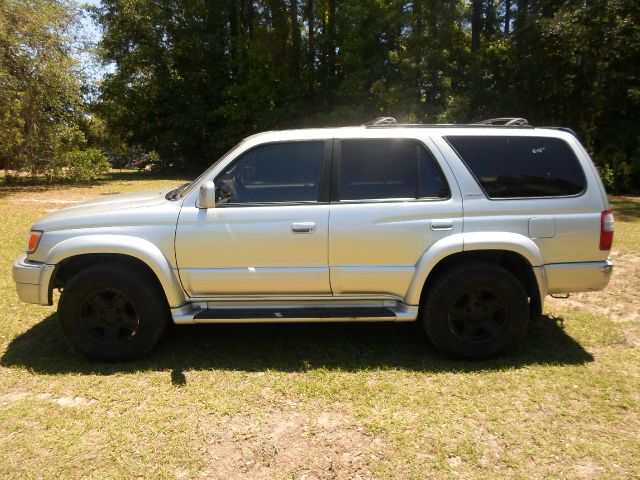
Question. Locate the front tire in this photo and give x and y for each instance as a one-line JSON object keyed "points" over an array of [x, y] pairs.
{"points": [[476, 310], [113, 312]]}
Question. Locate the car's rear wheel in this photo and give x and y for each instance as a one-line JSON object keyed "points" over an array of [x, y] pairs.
{"points": [[475, 310], [113, 311]]}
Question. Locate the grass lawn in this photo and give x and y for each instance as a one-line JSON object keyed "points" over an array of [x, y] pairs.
{"points": [[320, 401]]}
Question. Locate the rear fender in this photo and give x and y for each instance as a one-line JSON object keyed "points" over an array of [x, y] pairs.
{"points": [[463, 242]]}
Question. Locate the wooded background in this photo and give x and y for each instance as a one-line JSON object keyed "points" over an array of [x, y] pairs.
{"points": [[190, 78]]}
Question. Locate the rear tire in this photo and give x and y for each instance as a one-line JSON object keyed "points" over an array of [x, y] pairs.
{"points": [[113, 312], [476, 310]]}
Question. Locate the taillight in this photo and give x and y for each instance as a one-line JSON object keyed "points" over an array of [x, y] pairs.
{"points": [[34, 240], [606, 230]]}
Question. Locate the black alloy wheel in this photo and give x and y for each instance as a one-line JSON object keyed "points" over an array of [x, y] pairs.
{"points": [[478, 315], [475, 310], [109, 316], [113, 312]]}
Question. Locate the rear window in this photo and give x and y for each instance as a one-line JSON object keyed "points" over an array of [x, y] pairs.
{"points": [[517, 167]]}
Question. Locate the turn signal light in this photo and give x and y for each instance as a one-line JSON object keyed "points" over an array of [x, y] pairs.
{"points": [[34, 240]]}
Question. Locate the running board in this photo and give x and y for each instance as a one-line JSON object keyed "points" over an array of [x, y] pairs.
{"points": [[190, 313]]}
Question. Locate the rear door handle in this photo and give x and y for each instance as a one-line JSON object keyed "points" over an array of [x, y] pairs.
{"points": [[444, 224], [303, 227]]}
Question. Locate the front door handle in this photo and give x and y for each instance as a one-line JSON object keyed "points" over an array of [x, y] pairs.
{"points": [[444, 224], [303, 227]]}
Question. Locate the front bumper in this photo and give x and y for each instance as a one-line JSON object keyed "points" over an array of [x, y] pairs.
{"points": [[32, 281], [578, 277]]}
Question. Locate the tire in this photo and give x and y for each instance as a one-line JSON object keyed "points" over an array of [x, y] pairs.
{"points": [[113, 312], [476, 310]]}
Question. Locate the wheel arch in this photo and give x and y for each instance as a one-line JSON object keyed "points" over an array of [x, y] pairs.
{"points": [[514, 252], [71, 256]]}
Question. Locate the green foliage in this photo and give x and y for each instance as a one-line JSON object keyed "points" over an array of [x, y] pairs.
{"points": [[606, 174], [191, 78], [41, 103], [81, 166]]}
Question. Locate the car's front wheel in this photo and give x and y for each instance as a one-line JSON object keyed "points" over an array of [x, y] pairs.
{"points": [[475, 310], [113, 311]]}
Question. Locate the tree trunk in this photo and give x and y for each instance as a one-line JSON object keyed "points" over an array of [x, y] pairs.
{"points": [[507, 16], [521, 15], [280, 27], [311, 45], [331, 20], [490, 18], [417, 15], [233, 41], [476, 25], [295, 55]]}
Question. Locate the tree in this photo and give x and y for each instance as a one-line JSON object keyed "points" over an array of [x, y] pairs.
{"points": [[192, 78], [41, 104]]}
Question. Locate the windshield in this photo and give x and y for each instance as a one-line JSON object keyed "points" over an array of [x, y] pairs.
{"points": [[184, 190]]}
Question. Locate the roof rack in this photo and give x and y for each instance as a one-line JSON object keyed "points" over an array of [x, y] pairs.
{"points": [[381, 122], [509, 122], [505, 121]]}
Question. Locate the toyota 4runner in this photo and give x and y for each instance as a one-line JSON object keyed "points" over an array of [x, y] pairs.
{"points": [[465, 228]]}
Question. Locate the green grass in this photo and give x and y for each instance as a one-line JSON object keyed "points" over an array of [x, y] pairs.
{"points": [[627, 217], [325, 401]]}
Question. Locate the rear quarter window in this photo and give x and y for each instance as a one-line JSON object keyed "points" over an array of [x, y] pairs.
{"points": [[521, 167]]}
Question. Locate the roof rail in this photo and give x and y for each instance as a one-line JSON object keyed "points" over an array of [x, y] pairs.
{"points": [[381, 121], [505, 121]]}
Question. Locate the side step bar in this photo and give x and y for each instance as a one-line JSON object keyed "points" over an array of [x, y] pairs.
{"points": [[279, 314]]}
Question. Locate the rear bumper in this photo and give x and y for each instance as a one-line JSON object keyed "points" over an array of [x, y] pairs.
{"points": [[577, 277], [32, 281]]}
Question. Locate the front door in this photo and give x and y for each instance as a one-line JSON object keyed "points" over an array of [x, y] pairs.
{"points": [[268, 233]]}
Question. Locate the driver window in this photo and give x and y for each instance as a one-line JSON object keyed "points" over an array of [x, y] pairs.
{"points": [[275, 173]]}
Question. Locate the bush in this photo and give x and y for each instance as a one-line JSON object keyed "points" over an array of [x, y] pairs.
{"points": [[606, 174], [81, 166]]}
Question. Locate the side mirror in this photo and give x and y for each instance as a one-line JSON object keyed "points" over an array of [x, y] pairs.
{"points": [[207, 195]]}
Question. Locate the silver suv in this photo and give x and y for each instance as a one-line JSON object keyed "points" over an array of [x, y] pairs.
{"points": [[465, 228]]}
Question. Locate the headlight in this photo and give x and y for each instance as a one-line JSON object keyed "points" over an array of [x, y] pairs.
{"points": [[34, 240]]}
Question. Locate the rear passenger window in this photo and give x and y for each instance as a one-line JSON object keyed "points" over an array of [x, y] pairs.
{"points": [[387, 169], [518, 167]]}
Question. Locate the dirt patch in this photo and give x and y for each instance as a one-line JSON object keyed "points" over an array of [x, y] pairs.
{"points": [[52, 204], [58, 201], [12, 397], [620, 301], [322, 445], [74, 402], [71, 402]]}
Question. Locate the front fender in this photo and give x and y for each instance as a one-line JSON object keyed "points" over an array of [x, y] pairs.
{"points": [[132, 246], [462, 242]]}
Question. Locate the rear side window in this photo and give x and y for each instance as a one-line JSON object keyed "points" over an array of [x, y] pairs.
{"points": [[517, 167], [387, 169]]}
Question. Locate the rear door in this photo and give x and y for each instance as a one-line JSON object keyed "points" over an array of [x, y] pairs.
{"points": [[392, 199]]}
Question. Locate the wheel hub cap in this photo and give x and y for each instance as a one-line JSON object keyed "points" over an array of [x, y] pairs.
{"points": [[109, 316], [478, 315]]}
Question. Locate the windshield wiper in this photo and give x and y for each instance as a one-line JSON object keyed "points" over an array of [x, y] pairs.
{"points": [[175, 193]]}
